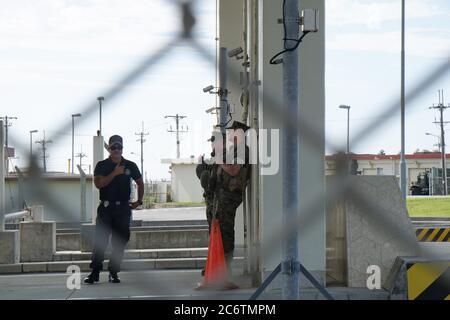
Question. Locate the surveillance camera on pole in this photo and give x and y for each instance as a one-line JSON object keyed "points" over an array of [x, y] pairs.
{"points": [[235, 53], [208, 89]]}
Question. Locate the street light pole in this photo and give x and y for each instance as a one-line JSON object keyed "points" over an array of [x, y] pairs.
{"points": [[100, 99], [402, 109], [31, 141], [348, 126], [73, 139]]}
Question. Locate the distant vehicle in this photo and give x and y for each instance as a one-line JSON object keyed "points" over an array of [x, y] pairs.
{"points": [[421, 187]]}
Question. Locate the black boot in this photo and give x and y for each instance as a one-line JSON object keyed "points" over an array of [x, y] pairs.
{"points": [[113, 277], [93, 277]]}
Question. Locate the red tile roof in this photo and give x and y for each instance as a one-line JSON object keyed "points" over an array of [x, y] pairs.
{"points": [[435, 155]]}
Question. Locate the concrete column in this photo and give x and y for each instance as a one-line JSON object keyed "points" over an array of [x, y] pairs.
{"points": [[9, 240], [2, 178], [98, 152], [231, 37], [37, 213]]}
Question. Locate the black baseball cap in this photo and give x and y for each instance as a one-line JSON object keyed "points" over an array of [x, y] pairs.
{"points": [[115, 140], [239, 125]]}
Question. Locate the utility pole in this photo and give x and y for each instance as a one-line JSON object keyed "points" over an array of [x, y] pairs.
{"points": [[8, 155], [44, 143], [81, 155], [441, 108], [142, 140], [177, 130]]}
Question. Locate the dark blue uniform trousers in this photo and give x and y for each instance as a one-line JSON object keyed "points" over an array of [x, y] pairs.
{"points": [[114, 221]]}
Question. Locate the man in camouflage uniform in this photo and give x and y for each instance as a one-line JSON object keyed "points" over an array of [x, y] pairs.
{"points": [[224, 186]]}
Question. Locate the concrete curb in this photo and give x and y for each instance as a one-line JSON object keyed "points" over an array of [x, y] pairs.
{"points": [[128, 265]]}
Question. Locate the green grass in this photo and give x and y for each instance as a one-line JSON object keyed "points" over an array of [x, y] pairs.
{"points": [[428, 207]]}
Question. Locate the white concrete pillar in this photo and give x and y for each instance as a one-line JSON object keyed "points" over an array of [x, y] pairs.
{"points": [[98, 155], [231, 37]]}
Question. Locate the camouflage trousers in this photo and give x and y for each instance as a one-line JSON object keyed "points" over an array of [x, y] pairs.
{"points": [[226, 213]]}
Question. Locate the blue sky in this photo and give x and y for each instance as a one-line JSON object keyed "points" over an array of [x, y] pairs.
{"points": [[58, 56]]}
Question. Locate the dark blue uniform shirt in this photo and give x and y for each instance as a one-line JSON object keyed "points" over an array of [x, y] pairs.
{"points": [[120, 187]]}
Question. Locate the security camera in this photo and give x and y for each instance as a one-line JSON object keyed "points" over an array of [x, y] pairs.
{"points": [[208, 89], [235, 53]]}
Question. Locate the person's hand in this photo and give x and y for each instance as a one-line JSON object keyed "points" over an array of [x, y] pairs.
{"points": [[134, 205], [118, 170]]}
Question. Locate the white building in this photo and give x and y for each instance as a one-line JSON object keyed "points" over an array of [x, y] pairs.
{"points": [[185, 186]]}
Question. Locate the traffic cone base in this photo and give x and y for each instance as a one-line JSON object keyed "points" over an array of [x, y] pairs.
{"points": [[216, 275], [227, 285]]}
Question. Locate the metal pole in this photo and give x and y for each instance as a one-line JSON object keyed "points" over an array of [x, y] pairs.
{"points": [[291, 266], [255, 238], [6, 158], [444, 167], [83, 194], [223, 93], [73, 142], [2, 178], [402, 110], [348, 131], [142, 149], [44, 149], [177, 121], [100, 99]]}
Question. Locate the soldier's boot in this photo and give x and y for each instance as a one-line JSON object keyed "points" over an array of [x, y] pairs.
{"points": [[228, 261]]}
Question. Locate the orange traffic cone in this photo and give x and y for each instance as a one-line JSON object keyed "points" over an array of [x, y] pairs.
{"points": [[216, 274]]}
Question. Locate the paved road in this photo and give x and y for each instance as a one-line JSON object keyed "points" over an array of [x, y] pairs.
{"points": [[152, 285], [170, 214]]}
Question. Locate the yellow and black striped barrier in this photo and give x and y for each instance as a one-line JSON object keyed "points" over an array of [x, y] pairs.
{"points": [[428, 280], [433, 234]]}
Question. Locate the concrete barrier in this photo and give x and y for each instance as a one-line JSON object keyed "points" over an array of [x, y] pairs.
{"points": [[420, 278], [37, 241], [358, 238], [68, 241], [151, 239], [9, 247]]}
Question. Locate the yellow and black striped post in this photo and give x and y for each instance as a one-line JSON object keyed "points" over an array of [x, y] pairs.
{"points": [[433, 234], [428, 281]]}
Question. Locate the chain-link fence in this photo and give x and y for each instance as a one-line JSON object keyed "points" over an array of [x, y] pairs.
{"points": [[338, 190]]}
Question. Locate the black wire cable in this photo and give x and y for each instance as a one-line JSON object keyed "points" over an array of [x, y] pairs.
{"points": [[286, 49]]}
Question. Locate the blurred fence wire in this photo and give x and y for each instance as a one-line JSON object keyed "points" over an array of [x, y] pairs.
{"points": [[308, 210]]}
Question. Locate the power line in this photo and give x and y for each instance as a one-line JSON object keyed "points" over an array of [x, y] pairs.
{"points": [[441, 107], [177, 130], [142, 140], [81, 155], [8, 152], [44, 143]]}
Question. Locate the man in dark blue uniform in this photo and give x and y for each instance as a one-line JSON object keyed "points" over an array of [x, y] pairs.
{"points": [[113, 178]]}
